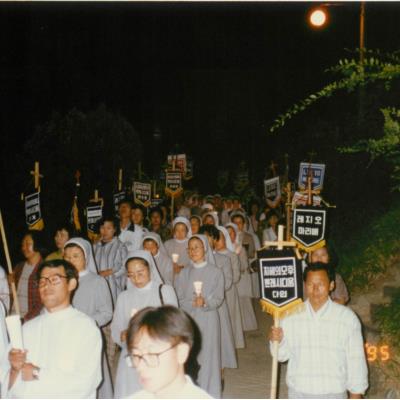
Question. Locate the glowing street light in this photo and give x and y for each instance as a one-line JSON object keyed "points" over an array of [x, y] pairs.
{"points": [[318, 17]]}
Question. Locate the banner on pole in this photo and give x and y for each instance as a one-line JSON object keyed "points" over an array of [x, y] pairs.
{"points": [[281, 280], [309, 227], [33, 213], [173, 184], [272, 188], [180, 162], [94, 212], [317, 173], [142, 193]]}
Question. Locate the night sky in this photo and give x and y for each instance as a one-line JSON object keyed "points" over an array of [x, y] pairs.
{"points": [[211, 76], [191, 69]]}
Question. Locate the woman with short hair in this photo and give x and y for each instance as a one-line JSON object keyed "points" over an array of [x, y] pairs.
{"points": [[159, 343]]}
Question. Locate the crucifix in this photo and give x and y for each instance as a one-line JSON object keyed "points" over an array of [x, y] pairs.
{"points": [[96, 198], [36, 176], [309, 191], [280, 243], [288, 206]]}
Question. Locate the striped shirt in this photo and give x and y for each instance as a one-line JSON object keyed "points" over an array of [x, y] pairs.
{"points": [[325, 350]]}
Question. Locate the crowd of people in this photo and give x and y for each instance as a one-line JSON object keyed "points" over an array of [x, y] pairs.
{"points": [[145, 283]]}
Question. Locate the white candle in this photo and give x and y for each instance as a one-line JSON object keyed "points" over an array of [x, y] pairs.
{"points": [[14, 328], [198, 286], [175, 257]]}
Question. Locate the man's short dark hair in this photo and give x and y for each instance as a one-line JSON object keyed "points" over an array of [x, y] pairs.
{"points": [[156, 210], [319, 266], [109, 218], [125, 201], [211, 230], [139, 207], [166, 323], [64, 227], [70, 271]]}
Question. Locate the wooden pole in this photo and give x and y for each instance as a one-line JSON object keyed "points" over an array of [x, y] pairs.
{"points": [[154, 188], [288, 210], [96, 195], [362, 30], [36, 176], [274, 373], [140, 170], [309, 191], [172, 208], [10, 271], [272, 167], [280, 237], [119, 180]]}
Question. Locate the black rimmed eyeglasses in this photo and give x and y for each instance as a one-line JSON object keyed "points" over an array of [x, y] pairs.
{"points": [[151, 360], [51, 280]]}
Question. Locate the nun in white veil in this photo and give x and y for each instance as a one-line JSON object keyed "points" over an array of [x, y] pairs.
{"points": [[244, 286], [182, 231], [228, 353], [152, 243], [210, 218], [92, 297], [225, 247], [203, 308], [145, 288], [252, 243]]}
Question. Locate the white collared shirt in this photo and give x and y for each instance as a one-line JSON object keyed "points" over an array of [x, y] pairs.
{"points": [[325, 350], [66, 345], [188, 391]]}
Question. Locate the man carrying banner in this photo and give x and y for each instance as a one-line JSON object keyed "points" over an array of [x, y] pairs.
{"points": [[323, 343]]}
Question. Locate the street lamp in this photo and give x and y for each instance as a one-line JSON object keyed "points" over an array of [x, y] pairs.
{"points": [[318, 17]]}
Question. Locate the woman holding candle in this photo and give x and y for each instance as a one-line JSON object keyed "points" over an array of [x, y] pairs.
{"points": [[202, 301], [144, 289], [178, 245]]}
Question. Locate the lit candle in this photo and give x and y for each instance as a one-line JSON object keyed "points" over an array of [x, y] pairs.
{"points": [[14, 328], [175, 257], [198, 286]]}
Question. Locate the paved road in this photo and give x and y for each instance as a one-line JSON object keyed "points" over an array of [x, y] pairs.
{"points": [[253, 377]]}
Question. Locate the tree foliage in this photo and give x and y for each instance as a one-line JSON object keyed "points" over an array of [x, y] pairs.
{"points": [[376, 68], [96, 143]]}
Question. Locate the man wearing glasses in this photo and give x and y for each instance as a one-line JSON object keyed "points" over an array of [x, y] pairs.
{"points": [[62, 354], [159, 343]]}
